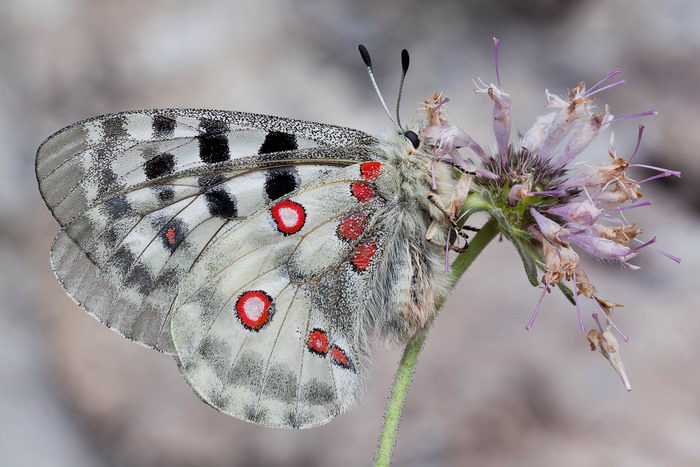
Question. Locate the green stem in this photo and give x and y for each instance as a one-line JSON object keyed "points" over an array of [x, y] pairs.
{"points": [[402, 380]]}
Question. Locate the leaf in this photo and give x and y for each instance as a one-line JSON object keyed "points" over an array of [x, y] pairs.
{"points": [[525, 253], [528, 262], [568, 293]]}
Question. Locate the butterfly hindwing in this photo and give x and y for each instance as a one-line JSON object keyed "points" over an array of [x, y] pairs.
{"points": [[270, 323], [142, 194]]}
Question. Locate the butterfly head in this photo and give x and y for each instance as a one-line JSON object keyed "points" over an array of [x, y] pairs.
{"points": [[411, 136], [407, 132]]}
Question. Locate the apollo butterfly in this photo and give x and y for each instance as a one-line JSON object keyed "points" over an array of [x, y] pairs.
{"points": [[261, 252]]}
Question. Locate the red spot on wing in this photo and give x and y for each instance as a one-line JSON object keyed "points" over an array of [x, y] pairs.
{"points": [[317, 342], [170, 235], [370, 170], [352, 226], [363, 254], [340, 358], [253, 309], [362, 191], [289, 216]]}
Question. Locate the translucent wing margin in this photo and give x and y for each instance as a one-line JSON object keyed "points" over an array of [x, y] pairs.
{"points": [[141, 195], [270, 324]]}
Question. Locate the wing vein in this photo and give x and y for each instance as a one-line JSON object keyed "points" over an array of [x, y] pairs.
{"points": [[274, 344]]}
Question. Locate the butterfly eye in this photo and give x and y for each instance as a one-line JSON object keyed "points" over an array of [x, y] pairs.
{"points": [[413, 138]]}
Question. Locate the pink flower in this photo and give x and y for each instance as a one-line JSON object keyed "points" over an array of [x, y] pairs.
{"points": [[551, 230], [583, 212], [444, 137], [501, 116], [539, 196], [603, 248]]}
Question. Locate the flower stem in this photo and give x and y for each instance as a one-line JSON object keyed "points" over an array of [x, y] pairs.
{"points": [[402, 380]]}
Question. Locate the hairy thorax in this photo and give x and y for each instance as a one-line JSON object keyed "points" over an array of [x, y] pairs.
{"points": [[415, 217], [417, 177]]}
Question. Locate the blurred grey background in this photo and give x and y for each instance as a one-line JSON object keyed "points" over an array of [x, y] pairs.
{"points": [[486, 392]]}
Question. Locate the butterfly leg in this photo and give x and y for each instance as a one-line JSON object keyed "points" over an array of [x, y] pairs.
{"points": [[459, 229], [460, 168], [456, 249], [453, 226], [448, 162], [450, 218]]}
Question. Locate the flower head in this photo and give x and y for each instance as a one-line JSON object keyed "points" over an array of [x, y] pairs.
{"points": [[552, 208]]}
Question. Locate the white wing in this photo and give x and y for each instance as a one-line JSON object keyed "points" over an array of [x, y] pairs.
{"points": [[270, 324], [140, 195]]}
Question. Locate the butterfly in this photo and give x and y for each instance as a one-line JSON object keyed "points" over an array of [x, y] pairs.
{"points": [[261, 252]]}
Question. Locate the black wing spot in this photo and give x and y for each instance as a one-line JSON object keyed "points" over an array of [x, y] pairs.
{"points": [[123, 259], [111, 235], [277, 141], [162, 164], [221, 203], [114, 127], [106, 178], [280, 181], [116, 208], [213, 148], [165, 194], [317, 392], [280, 383], [213, 144], [211, 126], [163, 127], [248, 370], [140, 278]]}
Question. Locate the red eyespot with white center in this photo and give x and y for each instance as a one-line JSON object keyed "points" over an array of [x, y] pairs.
{"points": [[370, 170], [317, 342], [289, 216], [352, 226], [363, 254], [340, 358], [253, 308], [362, 191]]}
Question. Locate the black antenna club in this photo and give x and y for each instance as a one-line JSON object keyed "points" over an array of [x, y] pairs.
{"points": [[368, 61], [365, 55]]}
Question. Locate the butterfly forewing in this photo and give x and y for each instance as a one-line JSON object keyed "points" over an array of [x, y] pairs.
{"points": [[141, 195], [103, 155]]}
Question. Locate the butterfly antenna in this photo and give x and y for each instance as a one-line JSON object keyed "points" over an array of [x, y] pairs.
{"points": [[405, 60], [368, 62]]}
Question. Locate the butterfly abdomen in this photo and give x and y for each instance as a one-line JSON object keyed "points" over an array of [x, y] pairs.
{"points": [[410, 280]]}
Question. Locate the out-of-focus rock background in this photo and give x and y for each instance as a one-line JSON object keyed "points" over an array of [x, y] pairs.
{"points": [[486, 393]]}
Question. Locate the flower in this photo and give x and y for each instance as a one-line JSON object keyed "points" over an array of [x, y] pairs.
{"points": [[549, 208]]}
